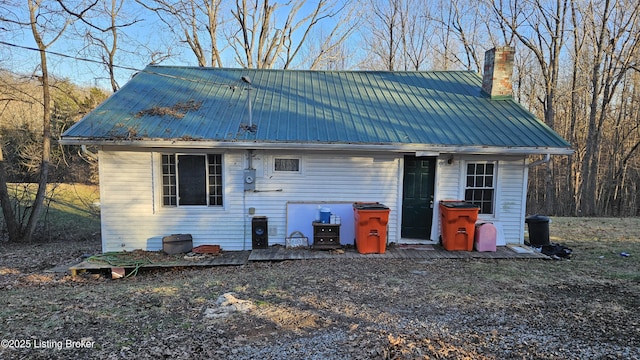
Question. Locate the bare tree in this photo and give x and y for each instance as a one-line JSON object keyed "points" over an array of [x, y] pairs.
{"points": [[262, 40], [10, 220], [332, 51], [614, 40], [13, 226], [465, 22], [257, 33], [102, 30], [442, 59], [401, 34], [414, 24], [43, 20], [623, 147], [189, 20], [540, 27], [385, 27]]}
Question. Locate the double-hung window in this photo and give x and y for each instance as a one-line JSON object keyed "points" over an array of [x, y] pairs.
{"points": [[480, 187], [192, 179]]}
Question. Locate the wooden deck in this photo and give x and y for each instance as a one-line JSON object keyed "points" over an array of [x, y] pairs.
{"points": [[229, 258], [280, 253], [422, 252]]}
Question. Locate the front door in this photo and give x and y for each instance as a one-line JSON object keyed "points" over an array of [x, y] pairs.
{"points": [[417, 197]]}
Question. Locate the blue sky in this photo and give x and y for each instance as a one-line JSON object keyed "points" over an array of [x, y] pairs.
{"points": [[149, 30], [72, 66]]}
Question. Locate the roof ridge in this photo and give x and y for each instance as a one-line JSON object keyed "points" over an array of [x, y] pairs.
{"points": [[307, 70]]}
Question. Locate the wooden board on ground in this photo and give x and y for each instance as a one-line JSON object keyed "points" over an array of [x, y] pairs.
{"points": [[280, 253]]}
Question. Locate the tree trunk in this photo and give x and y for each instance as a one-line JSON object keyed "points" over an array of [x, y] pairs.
{"points": [[544, 37], [38, 202], [7, 209]]}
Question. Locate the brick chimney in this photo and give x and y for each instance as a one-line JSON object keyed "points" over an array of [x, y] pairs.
{"points": [[498, 68]]}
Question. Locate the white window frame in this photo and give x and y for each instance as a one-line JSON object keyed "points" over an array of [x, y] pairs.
{"points": [[494, 187], [161, 184], [272, 165]]}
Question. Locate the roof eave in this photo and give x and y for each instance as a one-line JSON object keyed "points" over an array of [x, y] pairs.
{"points": [[258, 145]]}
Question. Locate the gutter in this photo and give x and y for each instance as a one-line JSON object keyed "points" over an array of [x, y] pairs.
{"points": [[545, 160], [382, 147]]}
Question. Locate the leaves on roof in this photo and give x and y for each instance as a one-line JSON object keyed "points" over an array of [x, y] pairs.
{"points": [[179, 110]]}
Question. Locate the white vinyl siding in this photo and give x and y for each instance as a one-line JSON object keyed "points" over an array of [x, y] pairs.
{"points": [[133, 215], [510, 197], [126, 199], [325, 178], [509, 184]]}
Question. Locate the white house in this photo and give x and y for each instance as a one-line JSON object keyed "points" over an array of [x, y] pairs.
{"points": [[204, 150]]}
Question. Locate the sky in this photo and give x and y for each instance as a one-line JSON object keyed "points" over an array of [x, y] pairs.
{"points": [[72, 65], [149, 30]]}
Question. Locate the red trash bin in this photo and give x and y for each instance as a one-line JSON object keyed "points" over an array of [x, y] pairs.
{"points": [[457, 221], [371, 227]]}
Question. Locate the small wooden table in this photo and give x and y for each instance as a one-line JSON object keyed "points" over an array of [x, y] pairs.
{"points": [[326, 236]]}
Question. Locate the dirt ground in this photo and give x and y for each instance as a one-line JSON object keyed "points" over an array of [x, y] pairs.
{"points": [[583, 308]]}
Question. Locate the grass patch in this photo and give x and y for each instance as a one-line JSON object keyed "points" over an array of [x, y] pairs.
{"points": [[71, 212], [599, 245]]}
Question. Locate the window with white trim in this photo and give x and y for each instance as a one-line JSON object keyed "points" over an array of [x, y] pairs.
{"points": [[480, 186], [192, 179], [286, 164]]}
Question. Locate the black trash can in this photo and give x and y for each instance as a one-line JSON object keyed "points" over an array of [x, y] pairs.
{"points": [[538, 230]]}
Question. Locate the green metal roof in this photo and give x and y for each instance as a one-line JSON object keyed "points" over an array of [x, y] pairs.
{"points": [[429, 110]]}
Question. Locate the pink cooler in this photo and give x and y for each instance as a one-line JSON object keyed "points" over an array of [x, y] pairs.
{"points": [[485, 237]]}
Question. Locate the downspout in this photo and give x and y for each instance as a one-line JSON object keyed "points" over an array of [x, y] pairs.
{"points": [[85, 151], [546, 159], [244, 225]]}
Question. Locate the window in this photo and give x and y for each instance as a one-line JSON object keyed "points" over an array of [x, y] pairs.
{"points": [[480, 186], [192, 180], [287, 164]]}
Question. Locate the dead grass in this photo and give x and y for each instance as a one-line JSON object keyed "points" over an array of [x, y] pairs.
{"points": [[601, 244], [488, 309]]}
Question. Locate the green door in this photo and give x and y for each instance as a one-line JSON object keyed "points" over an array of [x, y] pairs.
{"points": [[417, 197]]}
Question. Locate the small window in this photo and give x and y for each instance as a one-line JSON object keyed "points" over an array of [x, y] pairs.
{"points": [[287, 165], [192, 180], [480, 188]]}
